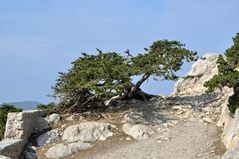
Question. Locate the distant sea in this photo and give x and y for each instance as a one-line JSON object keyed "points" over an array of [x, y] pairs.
{"points": [[26, 105]]}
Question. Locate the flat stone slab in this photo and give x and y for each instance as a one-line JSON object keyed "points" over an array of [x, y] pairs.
{"points": [[9, 142], [11, 148]]}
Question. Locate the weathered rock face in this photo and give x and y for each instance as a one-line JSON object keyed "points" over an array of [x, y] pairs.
{"points": [[230, 135], [202, 70], [88, 131], [11, 148], [20, 125], [47, 138], [61, 150], [19, 128]]}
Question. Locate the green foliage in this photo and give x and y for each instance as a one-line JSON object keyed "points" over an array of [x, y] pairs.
{"points": [[51, 107], [163, 59], [228, 74], [93, 78], [96, 78], [4, 110]]}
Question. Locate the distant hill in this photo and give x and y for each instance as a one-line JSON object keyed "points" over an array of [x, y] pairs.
{"points": [[26, 105]]}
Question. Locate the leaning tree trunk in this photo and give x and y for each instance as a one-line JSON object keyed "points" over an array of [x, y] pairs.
{"points": [[134, 93]]}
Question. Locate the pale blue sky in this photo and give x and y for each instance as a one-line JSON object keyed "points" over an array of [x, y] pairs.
{"points": [[39, 38]]}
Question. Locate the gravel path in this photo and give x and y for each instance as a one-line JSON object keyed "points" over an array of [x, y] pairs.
{"points": [[186, 141]]}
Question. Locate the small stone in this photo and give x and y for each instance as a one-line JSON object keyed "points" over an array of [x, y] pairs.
{"points": [[167, 125], [207, 119], [177, 107], [188, 114], [175, 122], [63, 126], [30, 155], [164, 138], [32, 148], [179, 112]]}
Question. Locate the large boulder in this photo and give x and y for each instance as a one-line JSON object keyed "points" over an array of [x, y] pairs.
{"points": [[48, 137], [61, 150], [138, 131], [54, 118], [42, 123], [202, 70], [88, 131]]}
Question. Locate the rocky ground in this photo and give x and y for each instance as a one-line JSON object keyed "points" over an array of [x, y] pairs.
{"points": [[185, 141], [166, 128]]}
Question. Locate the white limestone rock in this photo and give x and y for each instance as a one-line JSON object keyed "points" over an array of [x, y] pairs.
{"points": [[4, 157], [61, 150], [42, 123], [230, 136], [207, 119], [88, 131], [202, 70], [47, 138], [138, 131], [54, 118]]}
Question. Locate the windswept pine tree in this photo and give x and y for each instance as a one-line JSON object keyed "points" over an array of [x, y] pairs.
{"points": [[100, 79], [228, 74]]}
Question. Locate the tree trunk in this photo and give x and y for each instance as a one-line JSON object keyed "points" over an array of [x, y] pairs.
{"points": [[136, 89], [134, 93], [142, 80]]}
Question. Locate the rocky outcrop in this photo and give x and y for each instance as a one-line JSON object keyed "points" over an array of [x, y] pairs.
{"points": [[88, 131], [202, 70], [63, 150], [21, 125]]}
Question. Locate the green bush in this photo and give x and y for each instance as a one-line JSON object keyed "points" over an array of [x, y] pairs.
{"points": [[51, 107], [4, 110], [228, 74]]}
